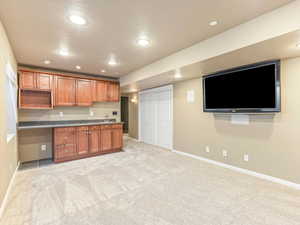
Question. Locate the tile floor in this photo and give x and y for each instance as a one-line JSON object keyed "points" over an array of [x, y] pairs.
{"points": [[146, 185]]}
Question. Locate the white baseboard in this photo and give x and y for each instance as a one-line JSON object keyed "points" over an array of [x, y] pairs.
{"points": [[4, 202], [241, 170]]}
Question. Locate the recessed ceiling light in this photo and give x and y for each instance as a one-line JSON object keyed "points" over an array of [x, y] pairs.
{"points": [[112, 62], [47, 61], [78, 67], [103, 71], [64, 52], [77, 20], [143, 42], [177, 74], [213, 23]]}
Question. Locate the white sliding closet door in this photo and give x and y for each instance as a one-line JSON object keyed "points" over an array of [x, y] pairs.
{"points": [[156, 116]]}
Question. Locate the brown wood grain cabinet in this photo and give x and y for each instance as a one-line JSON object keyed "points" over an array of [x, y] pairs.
{"points": [[35, 80], [100, 91], [86, 141], [94, 139], [65, 90], [44, 81], [113, 92], [65, 143], [106, 138], [27, 80], [82, 140], [35, 90], [83, 92]]}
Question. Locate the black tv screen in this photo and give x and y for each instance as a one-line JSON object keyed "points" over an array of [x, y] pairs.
{"points": [[249, 89]]}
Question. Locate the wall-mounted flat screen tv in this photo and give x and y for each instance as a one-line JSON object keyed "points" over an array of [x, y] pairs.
{"points": [[249, 89]]}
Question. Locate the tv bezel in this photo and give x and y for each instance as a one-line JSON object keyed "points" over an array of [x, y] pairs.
{"points": [[277, 107]]}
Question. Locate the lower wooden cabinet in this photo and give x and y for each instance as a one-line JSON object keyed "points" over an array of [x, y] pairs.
{"points": [[70, 143]]}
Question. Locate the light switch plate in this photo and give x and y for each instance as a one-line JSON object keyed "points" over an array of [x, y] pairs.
{"points": [[207, 149], [43, 147]]}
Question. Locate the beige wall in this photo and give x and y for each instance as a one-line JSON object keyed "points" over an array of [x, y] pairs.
{"points": [[101, 111], [133, 116], [8, 151], [272, 142]]}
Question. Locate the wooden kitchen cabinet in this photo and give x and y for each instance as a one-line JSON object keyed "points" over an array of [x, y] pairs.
{"points": [[101, 91], [35, 90], [65, 146], [106, 138], [117, 136], [44, 81], [83, 92], [35, 80], [113, 92], [82, 140], [65, 90], [27, 80], [94, 139], [85, 141]]}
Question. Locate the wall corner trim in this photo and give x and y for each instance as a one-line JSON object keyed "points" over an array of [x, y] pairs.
{"points": [[241, 170], [4, 202]]}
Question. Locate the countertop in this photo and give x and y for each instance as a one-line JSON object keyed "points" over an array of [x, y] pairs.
{"points": [[63, 123]]}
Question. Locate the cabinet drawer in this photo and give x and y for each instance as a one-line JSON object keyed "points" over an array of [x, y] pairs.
{"points": [[94, 127], [117, 126], [105, 127]]}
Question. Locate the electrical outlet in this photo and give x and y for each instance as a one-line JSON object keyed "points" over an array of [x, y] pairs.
{"points": [[61, 114], [224, 152], [43, 147], [207, 149], [246, 157], [91, 113]]}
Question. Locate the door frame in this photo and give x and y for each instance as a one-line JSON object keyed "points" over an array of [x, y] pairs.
{"points": [[155, 90]]}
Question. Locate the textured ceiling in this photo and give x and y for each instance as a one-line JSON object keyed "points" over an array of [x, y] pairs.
{"points": [[39, 29]]}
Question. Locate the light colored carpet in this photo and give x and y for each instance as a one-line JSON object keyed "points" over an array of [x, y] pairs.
{"points": [[146, 185]]}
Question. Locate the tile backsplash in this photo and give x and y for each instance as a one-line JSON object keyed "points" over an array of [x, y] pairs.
{"points": [[96, 111]]}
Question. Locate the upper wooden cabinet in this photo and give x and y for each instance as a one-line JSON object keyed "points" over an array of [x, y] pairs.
{"points": [[83, 92], [44, 81], [33, 80], [100, 91], [35, 90], [65, 90], [27, 80], [113, 92]]}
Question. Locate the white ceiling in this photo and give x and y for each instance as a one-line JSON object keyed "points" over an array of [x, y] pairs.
{"points": [[281, 47], [38, 29]]}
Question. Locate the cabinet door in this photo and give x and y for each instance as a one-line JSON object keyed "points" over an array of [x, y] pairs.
{"points": [[65, 91], [94, 139], [64, 143], [106, 139], [113, 92], [82, 140], [27, 80], [117, 138], [44, 81], [101, 91], [83, 92]]}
